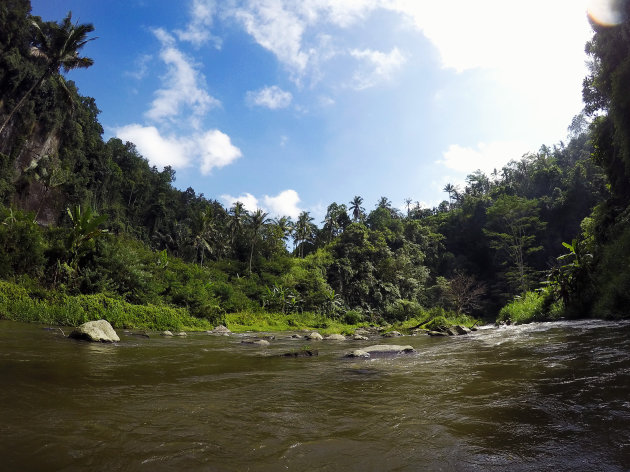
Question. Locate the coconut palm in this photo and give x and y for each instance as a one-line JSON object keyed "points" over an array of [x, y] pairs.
{"points": [[58, 45], [303, 232], [256, 221], [356, 208]]}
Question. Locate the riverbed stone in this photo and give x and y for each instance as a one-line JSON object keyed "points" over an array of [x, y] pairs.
{"points": [[315, 336], [359, 353], [392, 334], [457, 330], [436, 333], [257, 342], [96, 331], [358, 337], [381, 350], [167, 333], [220, 330], [335, 337], [181, 333]]}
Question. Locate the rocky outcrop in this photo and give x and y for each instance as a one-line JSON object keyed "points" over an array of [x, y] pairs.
{"points": [[381, 350], [96, 331]]}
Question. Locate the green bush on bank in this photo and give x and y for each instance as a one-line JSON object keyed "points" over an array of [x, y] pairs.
{"points": [[533, 306], [59, 309]]}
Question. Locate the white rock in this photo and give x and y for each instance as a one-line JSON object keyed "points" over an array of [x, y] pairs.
{"points": [[96, 331]]}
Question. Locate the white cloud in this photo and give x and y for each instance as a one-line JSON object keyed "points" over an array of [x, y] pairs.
{"points": [[283, 204], [486, 157], [381, 66], [197, 31], [270, 97], [216, 150], [159, 150], [247, 199], [183, 86], [212, 149], [277, 29]]}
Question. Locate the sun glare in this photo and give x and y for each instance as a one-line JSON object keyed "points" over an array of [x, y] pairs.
{"points": [[606, 12]]}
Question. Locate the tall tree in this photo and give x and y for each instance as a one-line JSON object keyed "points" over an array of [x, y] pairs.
{"points": [[355, 207], [304, 231], [513, 224], [58, 45], [256, 221]]}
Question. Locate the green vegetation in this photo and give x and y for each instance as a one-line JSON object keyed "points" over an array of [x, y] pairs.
{"points": [[88, 229]]}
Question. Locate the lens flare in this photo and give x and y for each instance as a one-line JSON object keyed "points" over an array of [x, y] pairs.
{"points": [[606, 12]]}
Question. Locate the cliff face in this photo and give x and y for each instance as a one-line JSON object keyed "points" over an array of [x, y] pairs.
{"points": [[35, 170]]}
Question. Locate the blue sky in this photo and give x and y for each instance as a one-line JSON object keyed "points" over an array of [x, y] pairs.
{"points": [[290, 105]]}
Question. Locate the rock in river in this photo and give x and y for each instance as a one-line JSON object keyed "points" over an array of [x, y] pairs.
{"points": [[96, 331], [335, 337], [220, 330], [314, 336], [381, 350]]}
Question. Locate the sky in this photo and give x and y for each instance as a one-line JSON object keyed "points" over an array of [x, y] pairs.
{"points": [[290, 105]]}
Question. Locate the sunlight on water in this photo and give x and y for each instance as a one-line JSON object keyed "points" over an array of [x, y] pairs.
{"points": [[606, 12]]}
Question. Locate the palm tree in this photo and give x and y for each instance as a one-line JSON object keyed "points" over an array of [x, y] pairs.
{"points": [[450, 189], [256, 221], [408, 203], [203, 230], [304, 229], [356, 208], [237, 216], [58, 45]]}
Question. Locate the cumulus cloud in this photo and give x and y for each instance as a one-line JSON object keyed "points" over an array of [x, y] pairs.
{"points": [[216, 150], [283, 204], [269, 97], [380, 66], [485, 157], [159, 150], [183, 85], [209, 150], [247, 199]]}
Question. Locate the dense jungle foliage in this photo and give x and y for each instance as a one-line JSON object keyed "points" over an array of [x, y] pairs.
{"points": [[546, 235]]}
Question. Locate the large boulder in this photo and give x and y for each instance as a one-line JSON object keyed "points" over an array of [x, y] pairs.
{"points": [[96, 331], [381, 350], [314, 336], [457, 330]]}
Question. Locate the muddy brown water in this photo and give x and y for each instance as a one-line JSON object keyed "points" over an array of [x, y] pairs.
{"points": [[547, 396]]}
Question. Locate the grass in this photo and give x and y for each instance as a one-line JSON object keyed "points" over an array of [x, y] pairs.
{"points": [[58, 309], [263, 321], [531, 307]]}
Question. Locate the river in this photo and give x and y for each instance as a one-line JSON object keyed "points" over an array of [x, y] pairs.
{"points": [[539, 397]]}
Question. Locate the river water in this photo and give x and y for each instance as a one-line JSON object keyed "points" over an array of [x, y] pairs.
{"points": [[546, 396]]}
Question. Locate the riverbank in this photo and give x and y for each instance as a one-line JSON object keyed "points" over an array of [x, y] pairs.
{"points": [[53, 308]]}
